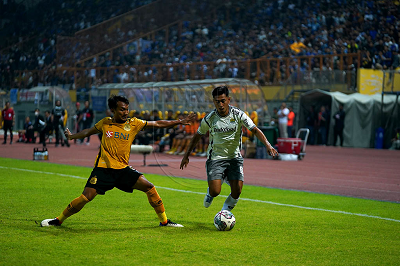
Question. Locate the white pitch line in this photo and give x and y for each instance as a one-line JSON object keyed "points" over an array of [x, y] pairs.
{"points": [[41, 172], [290, 205], [245, 199]]}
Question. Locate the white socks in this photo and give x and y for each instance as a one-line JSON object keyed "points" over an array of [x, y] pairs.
{"points": [[229, 203], [208, 199]]}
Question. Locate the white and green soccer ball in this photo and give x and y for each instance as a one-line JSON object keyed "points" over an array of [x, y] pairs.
{"points": [[224, 220]]}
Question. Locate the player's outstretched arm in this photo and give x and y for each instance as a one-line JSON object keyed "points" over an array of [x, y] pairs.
{"points": [[170, 123], [185, 160], [82, 134], [260, 135]]}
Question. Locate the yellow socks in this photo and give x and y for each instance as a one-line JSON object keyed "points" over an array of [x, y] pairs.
{"points": [[157, 203], [162, 217], [75, 206]]}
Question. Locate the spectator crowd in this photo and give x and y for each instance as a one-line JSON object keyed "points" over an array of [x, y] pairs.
{"points": [[236, 31]]}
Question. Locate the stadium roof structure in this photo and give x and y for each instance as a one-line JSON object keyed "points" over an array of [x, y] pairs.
{"points": [[223, 81], [188, 95]]}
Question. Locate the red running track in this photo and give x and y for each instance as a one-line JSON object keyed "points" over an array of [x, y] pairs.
{"points": [[362, 173]]}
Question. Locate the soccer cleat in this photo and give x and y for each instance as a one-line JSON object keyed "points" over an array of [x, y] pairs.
{"points": [[208, 199], [50, 222], [171, 224]]}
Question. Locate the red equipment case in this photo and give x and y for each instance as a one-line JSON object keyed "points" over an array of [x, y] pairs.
{"points": [[290, 145]]}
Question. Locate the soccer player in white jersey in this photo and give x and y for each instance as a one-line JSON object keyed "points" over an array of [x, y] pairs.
{"points": [[224, 160]]}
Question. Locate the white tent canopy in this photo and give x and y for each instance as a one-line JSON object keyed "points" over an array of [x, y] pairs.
{"points": [[364, 114]]}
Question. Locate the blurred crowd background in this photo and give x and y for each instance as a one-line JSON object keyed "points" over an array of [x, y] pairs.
{"points": [[142, 40]]}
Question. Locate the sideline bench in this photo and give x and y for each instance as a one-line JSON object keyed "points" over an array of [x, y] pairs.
{"points": [[145, 150]]}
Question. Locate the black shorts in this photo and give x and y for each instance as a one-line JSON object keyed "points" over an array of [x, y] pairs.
{"points": [[8, 125], [104, 179]]}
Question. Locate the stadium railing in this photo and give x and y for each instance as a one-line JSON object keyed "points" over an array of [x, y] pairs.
{"points": [[263, 71]]}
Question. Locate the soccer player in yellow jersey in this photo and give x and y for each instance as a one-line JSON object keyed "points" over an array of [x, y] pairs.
{"points": [[111, 167]]}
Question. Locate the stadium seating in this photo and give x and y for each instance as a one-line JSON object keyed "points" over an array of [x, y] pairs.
{"points": [[224, 35]]}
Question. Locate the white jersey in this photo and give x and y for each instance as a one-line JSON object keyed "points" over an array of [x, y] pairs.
{"points": [[225, 133]]}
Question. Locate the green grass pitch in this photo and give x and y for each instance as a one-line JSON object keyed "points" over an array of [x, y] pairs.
{"points": [[273, 226]]}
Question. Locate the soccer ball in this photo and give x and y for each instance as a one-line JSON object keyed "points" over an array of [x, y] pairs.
{"points": [[224, 220]]}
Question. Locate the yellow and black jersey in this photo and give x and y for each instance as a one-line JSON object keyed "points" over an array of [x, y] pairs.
{"points": [[116, 141]]}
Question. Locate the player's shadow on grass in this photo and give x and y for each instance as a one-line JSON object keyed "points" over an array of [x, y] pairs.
{"points": [[97, 227], [88, 229]]}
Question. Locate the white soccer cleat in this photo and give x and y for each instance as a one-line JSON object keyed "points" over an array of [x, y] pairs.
{"points": [[171, 224], [50, 222], [208, 199]]}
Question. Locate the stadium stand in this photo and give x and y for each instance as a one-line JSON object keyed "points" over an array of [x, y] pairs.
{"points": [[231, 33]]}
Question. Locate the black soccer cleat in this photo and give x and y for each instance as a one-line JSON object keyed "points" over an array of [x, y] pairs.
{"points": [[171, 224]]}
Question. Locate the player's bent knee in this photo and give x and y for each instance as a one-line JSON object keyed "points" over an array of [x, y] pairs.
{"points": [[149, 186], [214, 192], [143, 184], [89, 193]]}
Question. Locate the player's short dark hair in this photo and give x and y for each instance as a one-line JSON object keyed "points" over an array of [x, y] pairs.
{"points": [[220, 90], [114, 99]]}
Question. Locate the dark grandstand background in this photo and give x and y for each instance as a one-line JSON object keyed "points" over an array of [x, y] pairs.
{"points": [[48, 35]]}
